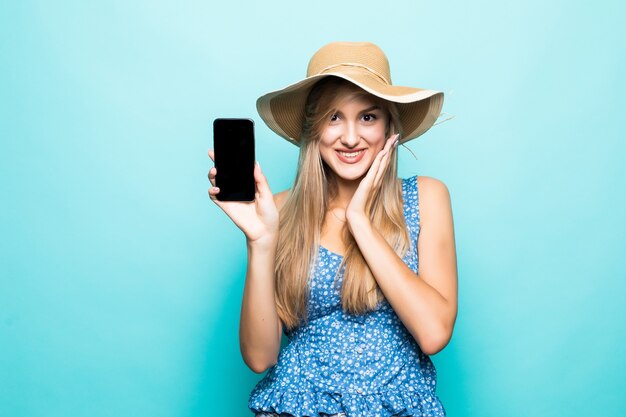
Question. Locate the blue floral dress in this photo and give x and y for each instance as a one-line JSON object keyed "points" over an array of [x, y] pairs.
{"points": [[362, 366]]}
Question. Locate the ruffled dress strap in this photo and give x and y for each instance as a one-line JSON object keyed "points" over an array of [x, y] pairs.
{"points": [[410, 198]]}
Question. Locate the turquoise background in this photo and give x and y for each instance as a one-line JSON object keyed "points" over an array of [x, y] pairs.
{"points": [[121, 283]]}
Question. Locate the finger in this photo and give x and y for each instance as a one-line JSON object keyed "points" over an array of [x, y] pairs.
{"points": [[390, 145], [213, 192], [391, 142], [212, 155], [212, 174], [373, 171], [384, 163], [262, 185]]}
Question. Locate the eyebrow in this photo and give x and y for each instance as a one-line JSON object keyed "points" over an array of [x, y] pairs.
{"points": [[370, 109]]}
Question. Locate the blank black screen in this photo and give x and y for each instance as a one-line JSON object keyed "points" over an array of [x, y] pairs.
{"points": [[234, 159]]}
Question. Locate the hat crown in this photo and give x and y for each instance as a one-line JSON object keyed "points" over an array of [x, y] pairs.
{"points": [[350, 56]]}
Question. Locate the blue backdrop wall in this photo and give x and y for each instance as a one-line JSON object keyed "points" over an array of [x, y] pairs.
{"points": [[121, 283]]}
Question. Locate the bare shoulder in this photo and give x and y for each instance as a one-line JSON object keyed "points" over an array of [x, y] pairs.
{"points": [[432, 192], [280, 198], [434, 197], [436, 247]]}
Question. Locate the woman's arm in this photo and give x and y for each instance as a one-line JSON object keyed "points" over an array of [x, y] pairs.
{"points": [[426, 303], [259, 326]]}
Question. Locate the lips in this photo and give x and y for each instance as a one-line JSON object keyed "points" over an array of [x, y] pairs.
{"points": [[350, 157]]}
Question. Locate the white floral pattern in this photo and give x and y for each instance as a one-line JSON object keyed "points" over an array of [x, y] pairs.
{"points": [[367, 365]]}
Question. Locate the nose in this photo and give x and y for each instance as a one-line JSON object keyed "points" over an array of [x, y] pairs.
{"points": [[350, 137]]}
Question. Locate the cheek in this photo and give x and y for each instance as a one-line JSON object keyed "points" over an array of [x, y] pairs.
{"points": [[377, 138], [330, 134], [325, 151], [327, 140]]}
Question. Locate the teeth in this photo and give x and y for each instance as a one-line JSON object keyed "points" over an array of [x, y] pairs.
{"points": [[350, 154]]}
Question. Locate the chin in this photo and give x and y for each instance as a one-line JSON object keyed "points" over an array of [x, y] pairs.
{"points": [[351, 174]]}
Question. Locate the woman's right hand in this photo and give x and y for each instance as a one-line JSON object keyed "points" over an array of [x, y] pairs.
{"points": [[257, 219]]}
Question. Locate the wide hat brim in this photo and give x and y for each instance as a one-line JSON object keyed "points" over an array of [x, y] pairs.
{"points": [[283, 110]]}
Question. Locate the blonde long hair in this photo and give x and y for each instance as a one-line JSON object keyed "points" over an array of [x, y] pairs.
{"points": [[302, 215]]}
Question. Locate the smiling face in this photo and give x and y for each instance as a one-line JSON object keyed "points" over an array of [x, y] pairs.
{"points": [[352, 136]]}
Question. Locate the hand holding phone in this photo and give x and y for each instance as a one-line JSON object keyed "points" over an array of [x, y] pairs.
{"points": [[244, 193], [233, 143]]}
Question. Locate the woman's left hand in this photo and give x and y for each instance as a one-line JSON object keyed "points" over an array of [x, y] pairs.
{"points": [[356, 210]]}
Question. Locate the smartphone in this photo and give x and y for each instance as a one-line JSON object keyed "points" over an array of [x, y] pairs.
{"points": [[233, 143]]}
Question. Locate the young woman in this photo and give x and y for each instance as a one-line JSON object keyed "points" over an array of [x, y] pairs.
{"points": [[333, 262]]}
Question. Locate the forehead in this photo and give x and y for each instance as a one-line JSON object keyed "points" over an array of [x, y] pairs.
{"points": [[352, 100]]}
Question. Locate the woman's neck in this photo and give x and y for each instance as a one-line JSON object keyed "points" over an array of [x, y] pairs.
{"points": [[345, 191]]}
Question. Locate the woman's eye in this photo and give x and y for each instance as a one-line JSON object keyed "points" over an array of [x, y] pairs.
{"points": [[369, 117], [334, 117]]}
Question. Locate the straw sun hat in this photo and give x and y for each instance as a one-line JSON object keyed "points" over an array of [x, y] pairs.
{"points": [[363, 64]]}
